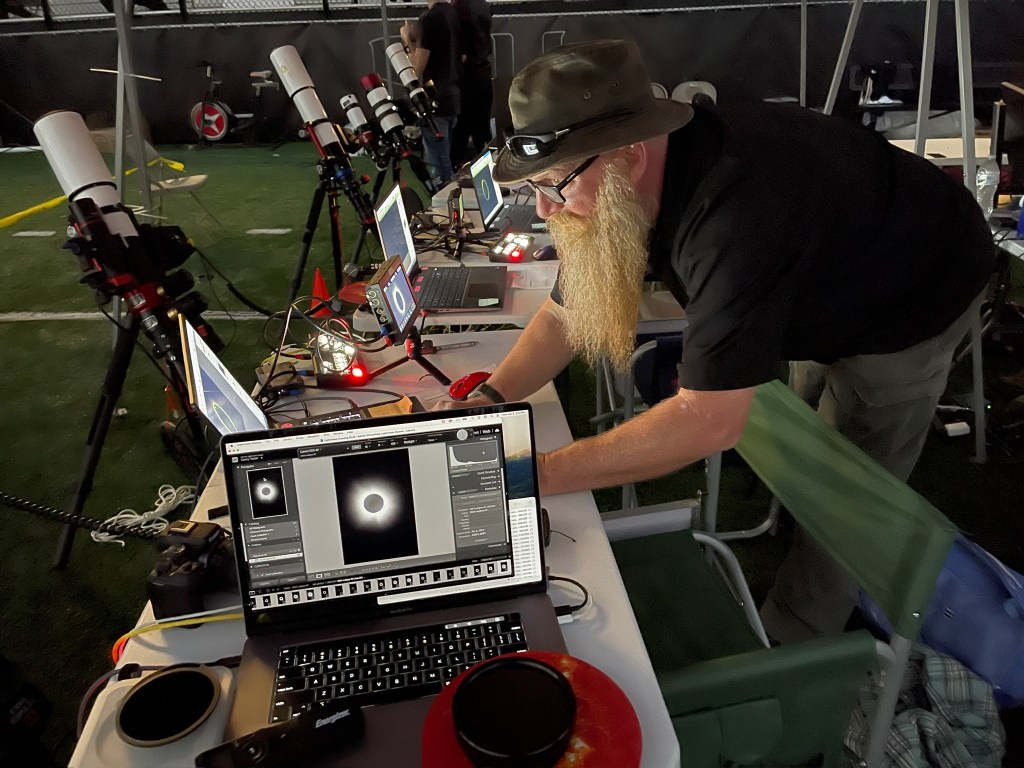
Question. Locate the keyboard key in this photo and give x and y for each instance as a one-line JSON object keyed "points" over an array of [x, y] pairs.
{"points": [[392, 667]]}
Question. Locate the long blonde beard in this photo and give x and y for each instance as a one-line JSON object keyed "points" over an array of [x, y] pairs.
{"points": [[603, 260]]}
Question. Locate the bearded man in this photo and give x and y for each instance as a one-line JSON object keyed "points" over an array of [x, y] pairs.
{"points": [[787, 235]]}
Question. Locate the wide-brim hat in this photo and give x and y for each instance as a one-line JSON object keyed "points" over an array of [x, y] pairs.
{"points": [[594, 96]]}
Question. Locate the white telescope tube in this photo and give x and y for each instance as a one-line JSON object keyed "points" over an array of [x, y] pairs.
{"points": [[79, 168]]}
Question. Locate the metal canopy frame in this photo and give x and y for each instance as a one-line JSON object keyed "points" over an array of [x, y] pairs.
{"points": [[970, 165]]}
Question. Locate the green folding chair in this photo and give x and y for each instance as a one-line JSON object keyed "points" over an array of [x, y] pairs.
{"points": [[734, 701]]}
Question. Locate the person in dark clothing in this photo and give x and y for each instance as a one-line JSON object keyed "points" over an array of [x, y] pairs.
{"points": [[477, 90], [788, 235], [434, 52]]}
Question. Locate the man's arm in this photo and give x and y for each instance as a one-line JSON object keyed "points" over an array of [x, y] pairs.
{"points": [[678, 431], [537, 357], [419, 57]]}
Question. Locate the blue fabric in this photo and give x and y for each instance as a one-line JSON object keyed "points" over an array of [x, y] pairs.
{"points": [[976, 616]]}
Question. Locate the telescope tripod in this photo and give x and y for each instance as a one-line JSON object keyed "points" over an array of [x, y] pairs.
{"points": [[334, 180], [414, 352], [113, 384]]}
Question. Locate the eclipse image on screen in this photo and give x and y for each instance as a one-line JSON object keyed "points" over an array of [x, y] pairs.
{"points": [[375, 507], [266, 489]]}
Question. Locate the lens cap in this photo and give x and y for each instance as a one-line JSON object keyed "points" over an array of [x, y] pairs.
{"points": [[514, 712], [167, 705]]}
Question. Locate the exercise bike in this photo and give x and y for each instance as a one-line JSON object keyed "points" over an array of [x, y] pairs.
{"points": [[212, 120]]}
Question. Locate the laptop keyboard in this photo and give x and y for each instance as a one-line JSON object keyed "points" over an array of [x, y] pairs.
{"points": [[442, 287], [387, 667]]}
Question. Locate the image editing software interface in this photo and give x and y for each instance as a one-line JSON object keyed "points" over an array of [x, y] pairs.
{"points": [[488, 193], [381, 515], [393, 227], [214, 391]]}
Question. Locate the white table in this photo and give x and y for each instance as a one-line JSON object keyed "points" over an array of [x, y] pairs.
{"points": [[605, 635]]}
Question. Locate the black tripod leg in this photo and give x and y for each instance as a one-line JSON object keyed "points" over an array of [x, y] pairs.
{"points": [[419, 168], [432, 369], [378, 183], [117, 370], [307, 241], [335, 214]]}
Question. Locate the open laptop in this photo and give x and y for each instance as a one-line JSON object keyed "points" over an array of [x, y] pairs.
{"points": [[496, 215], [224, 403], [437, 289], [377, 560]]}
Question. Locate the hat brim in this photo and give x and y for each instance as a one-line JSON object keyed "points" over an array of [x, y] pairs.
{"points": [[619, 131]]}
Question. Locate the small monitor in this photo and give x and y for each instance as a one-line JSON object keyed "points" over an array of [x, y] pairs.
{"points": [[391, 300], [393, 228], [213, 390], [488, 193]]}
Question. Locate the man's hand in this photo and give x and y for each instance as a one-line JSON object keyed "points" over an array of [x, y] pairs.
{"points": [[408, 33]]}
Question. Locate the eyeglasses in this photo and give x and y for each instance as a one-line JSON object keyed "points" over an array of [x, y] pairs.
{"points": [[530, 146], [527, 146], [553, 192]]}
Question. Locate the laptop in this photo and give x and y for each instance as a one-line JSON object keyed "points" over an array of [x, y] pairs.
{"points": [[496, 215], [224, 403], [437, 289], [379, 559]]}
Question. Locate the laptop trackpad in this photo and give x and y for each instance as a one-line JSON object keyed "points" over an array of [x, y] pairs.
{"points": [[488, 290], [392, 738]]}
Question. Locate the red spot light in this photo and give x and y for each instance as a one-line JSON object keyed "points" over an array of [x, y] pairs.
{"points": [[358, 373]]}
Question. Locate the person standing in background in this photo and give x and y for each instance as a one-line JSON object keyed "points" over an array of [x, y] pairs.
{"points": [[476, 88], [434, 52]]}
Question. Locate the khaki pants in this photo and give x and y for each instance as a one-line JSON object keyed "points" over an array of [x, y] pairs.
{"points": [[884, 404]]}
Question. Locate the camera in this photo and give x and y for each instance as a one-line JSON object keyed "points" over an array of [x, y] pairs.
{"points": [[197, 558]]}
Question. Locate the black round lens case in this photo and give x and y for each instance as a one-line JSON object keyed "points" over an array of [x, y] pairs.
{"points": [[514, 712], [167, 705]]}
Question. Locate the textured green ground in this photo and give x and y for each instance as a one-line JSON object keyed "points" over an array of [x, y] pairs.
{"points": [[58, 626]]}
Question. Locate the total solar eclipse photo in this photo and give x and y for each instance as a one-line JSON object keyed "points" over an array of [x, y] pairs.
{"points": [[266, 490], [375, 506]]}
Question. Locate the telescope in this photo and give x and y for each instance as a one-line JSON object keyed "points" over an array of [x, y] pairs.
{"points": [[299, 87], [421, 102]]}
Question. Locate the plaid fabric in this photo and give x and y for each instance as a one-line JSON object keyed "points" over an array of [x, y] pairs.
{"points": [[946, 717]]}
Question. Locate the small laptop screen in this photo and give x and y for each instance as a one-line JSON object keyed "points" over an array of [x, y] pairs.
{"points": [[378, 518], [393, 227], [213, 390], [488, 193]]}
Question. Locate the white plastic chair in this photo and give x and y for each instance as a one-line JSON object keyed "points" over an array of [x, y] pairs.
{"points": [[685, 92]]}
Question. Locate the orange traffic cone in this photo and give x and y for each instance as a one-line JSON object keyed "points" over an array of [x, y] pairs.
{"points": [[320, 295]]}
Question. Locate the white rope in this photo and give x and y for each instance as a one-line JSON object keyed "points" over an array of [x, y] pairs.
{"points": [[168, 499]]}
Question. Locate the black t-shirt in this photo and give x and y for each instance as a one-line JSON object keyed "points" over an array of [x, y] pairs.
{"points": [[438, 30], [791, 235], [474, 37]]}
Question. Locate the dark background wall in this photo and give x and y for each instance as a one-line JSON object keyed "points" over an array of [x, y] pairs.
{"points": [[746, 52]]}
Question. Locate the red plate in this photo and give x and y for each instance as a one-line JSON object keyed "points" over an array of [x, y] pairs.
{"points": [[607, 730]]}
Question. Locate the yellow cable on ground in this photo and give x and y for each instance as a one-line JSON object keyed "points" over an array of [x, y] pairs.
{"points": [[14, 218]]}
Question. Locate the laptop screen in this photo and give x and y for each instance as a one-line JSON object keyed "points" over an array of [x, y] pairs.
{"points": [[213, 390], [488, 193], [369, 519], [393, 227]]}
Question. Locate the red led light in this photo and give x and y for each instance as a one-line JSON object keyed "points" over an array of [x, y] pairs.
{"points": [[358, 373]]}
